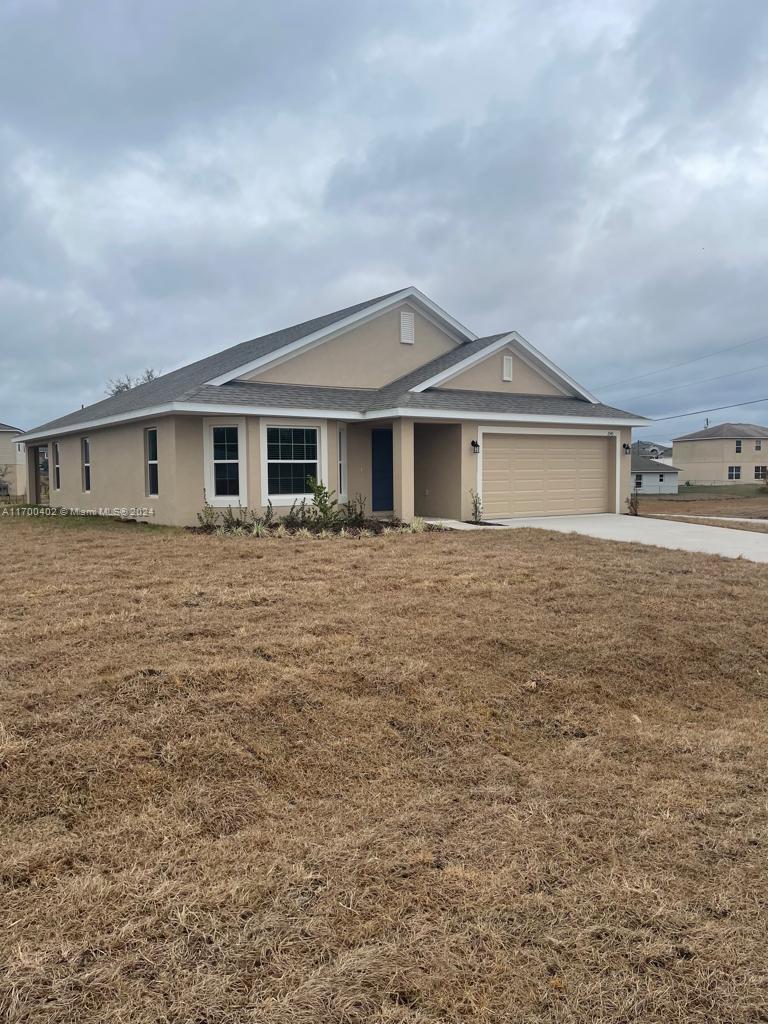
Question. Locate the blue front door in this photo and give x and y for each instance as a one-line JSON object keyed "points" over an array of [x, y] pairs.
{"points": [[382, 497]]}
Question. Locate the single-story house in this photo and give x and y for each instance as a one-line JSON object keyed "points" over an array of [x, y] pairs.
{"points": [[649, 476], [727, 453], [391, 399], [12, 462]]}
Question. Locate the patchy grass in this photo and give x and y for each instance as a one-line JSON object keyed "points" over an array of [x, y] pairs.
{"points": [[755, 526], [492, 776], [755, 507]]}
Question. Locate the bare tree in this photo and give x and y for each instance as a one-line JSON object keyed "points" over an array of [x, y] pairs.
{"points": [[118, 385]]}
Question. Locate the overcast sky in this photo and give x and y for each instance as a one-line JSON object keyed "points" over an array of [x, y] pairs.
{"points": [[179, 176]]}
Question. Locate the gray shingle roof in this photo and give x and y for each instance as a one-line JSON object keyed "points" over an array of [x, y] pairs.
{"points": [[737, 431], [294, 396], [178, 385], [5, 428], [646, 447], [188, 385], [641, 464]]}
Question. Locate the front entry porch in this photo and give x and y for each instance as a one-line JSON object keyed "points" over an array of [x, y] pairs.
{"points": [[405, 469]]}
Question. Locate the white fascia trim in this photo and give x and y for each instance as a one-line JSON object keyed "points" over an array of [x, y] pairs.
{"points": [[499, 417], [279, 355], [207, 409], [516, 341], [349, 415], [554, 368]]}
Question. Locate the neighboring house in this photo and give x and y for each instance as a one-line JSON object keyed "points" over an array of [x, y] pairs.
{"points": [[649, 476], [12, 462], [391, 399], [653, 450], [729, 453]]}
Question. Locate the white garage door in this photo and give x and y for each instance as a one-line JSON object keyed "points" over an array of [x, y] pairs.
{"points": [[545, 475]]}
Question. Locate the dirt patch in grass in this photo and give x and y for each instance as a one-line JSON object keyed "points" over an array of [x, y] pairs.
{"points": [[752, 508], [491, 776]]}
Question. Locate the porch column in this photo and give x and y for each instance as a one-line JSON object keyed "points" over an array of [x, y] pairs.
{"points": [[402, 468]]}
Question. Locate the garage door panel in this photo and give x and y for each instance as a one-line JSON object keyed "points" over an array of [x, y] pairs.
{"points": [[530, 474]]}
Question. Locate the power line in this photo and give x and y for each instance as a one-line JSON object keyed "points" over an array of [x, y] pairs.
{"points": [[686, 362], [718, 408], [693, 383]]}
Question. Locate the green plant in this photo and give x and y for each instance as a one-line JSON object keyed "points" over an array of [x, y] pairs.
{"points": [[324, 511], [477, 507], [297, 515], [417, 525], [353, 511], [230, 521], [209, 517], [259, 529]]}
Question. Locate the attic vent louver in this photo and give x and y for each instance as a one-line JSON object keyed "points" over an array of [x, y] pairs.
{"points": [[407, 328]]}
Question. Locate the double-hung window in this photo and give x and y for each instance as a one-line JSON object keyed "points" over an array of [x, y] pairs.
{"points": [[85, 457], [226, 462], [758, 446], [734, 472], [292, 458], [638, 481], [152, 475], [56, 467], [738, 447], [761, 472], [661, 478]]}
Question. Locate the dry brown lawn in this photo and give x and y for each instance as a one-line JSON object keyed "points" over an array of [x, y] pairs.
{"points": [[497, 776], [755, 526], [702, 505]]}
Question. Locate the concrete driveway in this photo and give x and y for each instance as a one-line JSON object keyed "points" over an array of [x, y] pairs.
{"points": [[711, 540]]}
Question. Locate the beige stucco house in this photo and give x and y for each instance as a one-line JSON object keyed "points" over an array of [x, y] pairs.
{"points": [[391, 399], [12, 462], [728, 453]]}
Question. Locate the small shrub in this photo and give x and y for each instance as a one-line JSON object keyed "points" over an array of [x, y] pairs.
{"points": [[417, 526], [324, 510], [259, 529], [353, 511], [297, 515], [477, 507], [230, 521], [633, 504], [209, 517]]}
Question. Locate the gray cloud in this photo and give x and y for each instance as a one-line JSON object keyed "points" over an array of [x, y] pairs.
{"points": [[177, 177]]}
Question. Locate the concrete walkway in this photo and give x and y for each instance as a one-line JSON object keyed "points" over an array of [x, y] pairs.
{"points": [[662, 533]]}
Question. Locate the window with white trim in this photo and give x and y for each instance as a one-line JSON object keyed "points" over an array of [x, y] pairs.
{"points": [[507, 368], [56, 467], [638, 481], [292, 458], [661, 478], [761, 472], [226, 461], [407, 327], [85, 457], [758, 446], [734, 472], [151, 471], [738, 447]]}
